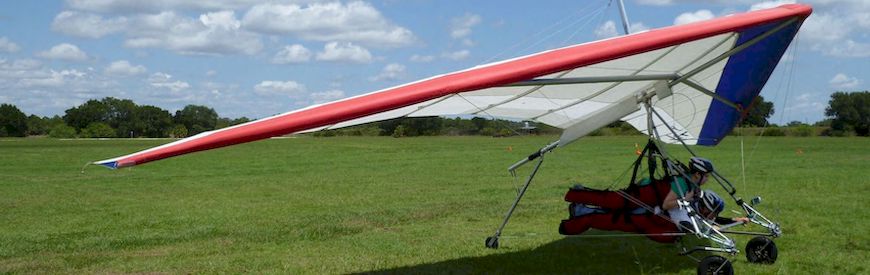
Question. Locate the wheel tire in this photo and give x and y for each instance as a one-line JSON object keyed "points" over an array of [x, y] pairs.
{"points": [[492, 242], [761, 250], [715, 265]]}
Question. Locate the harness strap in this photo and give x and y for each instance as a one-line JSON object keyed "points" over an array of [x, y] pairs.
{"points": [[637, 163]]}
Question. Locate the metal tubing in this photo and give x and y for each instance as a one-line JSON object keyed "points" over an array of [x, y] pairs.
{"points": [[707, 248], [533, 156], [733, 51], [748, 233], [625, 26], [517, 201], [715, 96]]}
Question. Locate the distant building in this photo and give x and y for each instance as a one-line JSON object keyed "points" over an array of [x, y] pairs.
{"points": [[529, 129]]}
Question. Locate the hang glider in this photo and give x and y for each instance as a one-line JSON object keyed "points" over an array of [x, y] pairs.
{"points": [[700, 78]]}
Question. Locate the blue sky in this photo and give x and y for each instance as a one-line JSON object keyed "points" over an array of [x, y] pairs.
{"points": [[256, 58]]}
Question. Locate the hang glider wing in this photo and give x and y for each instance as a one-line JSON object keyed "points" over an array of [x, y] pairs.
{"points": [[704, 76]]}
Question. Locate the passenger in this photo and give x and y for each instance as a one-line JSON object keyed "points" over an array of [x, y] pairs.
{"points": [[653, 223], [662, 193], [649, 207]]}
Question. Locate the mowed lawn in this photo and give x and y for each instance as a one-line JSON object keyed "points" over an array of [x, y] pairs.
{"points": [[388, 205]]}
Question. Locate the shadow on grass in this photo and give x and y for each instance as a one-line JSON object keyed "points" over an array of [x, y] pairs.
{"points": [[626, 255]]}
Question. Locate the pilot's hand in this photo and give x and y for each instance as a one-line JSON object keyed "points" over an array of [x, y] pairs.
{"points": [[744, 220]]}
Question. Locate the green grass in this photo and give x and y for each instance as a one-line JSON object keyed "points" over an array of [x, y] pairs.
{"points": [[408, 205]]}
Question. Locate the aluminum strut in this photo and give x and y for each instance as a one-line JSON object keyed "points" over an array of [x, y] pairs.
{"points": [[492, 241]]}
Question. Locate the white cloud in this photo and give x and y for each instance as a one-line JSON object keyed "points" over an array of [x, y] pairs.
{"points": [[769, 4], [608, 29], [826, 28], [457, 55], [269, 87], [210, 73], [391, 72], [124, 68], [461, 26], [209, 33], [27, 70], [64, 51], [292, 54], [56, 79], [836, 33], [354, 22], [19, 65], [87, 25], [806, 106], [671, 2], [637, 27], [164, 81], [689, 17], [843, 81], [848, 48], [655, 2], [422, 58], [111, 6], [8, 46], [344, 52], [327, 96], [212, 33]]}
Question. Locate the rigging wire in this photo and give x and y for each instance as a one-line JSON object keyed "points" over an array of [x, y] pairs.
{"points": [[481, 110], [599, 16], [787, 74], [553, 29], [547, 29]]}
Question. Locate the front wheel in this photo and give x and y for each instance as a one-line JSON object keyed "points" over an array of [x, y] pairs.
{"points": [[717, 265], [492, 242], [761, 250]]}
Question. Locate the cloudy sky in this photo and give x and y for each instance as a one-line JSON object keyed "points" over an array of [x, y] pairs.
{"points": [[260, 58]]}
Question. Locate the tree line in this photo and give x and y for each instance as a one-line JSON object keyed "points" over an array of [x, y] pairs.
{"points": [[848, 114], [110, 118]]}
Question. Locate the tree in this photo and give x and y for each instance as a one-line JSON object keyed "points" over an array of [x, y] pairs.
{"points": [[399, 131], [62, 131], [98, 130], [758, 114], [153, 121], [37, 126], [177, 131], [13, 122], [196, 118], [823, 123], [850, 112], [121, 115], [795, 123], [239, 121], [89, 112]]}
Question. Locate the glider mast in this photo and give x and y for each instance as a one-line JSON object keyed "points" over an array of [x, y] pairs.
{"points": [[624, 17]]}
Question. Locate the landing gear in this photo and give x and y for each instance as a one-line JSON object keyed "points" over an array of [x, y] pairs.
{"points": [[761, 250], [715, 265], [492, 242]]}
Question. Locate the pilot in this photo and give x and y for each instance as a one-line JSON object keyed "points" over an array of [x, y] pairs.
{"points": [[649, 207], [650, 192], [655, 223]]}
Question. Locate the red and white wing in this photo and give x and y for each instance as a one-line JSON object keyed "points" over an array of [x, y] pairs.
{"points": [[711, 71]]}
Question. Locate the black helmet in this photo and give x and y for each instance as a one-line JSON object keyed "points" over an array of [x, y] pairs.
{"points": [[701, 165], [711, 201]]}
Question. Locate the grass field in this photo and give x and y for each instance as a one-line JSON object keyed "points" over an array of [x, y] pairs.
{"points": [[385, 205]]}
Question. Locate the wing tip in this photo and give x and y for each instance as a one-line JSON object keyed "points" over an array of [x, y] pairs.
{"points": [[109, 164]]}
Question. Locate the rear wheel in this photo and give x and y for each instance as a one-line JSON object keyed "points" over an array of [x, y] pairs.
{"points": [[715, 265], [761, 250], [492, 242]]}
